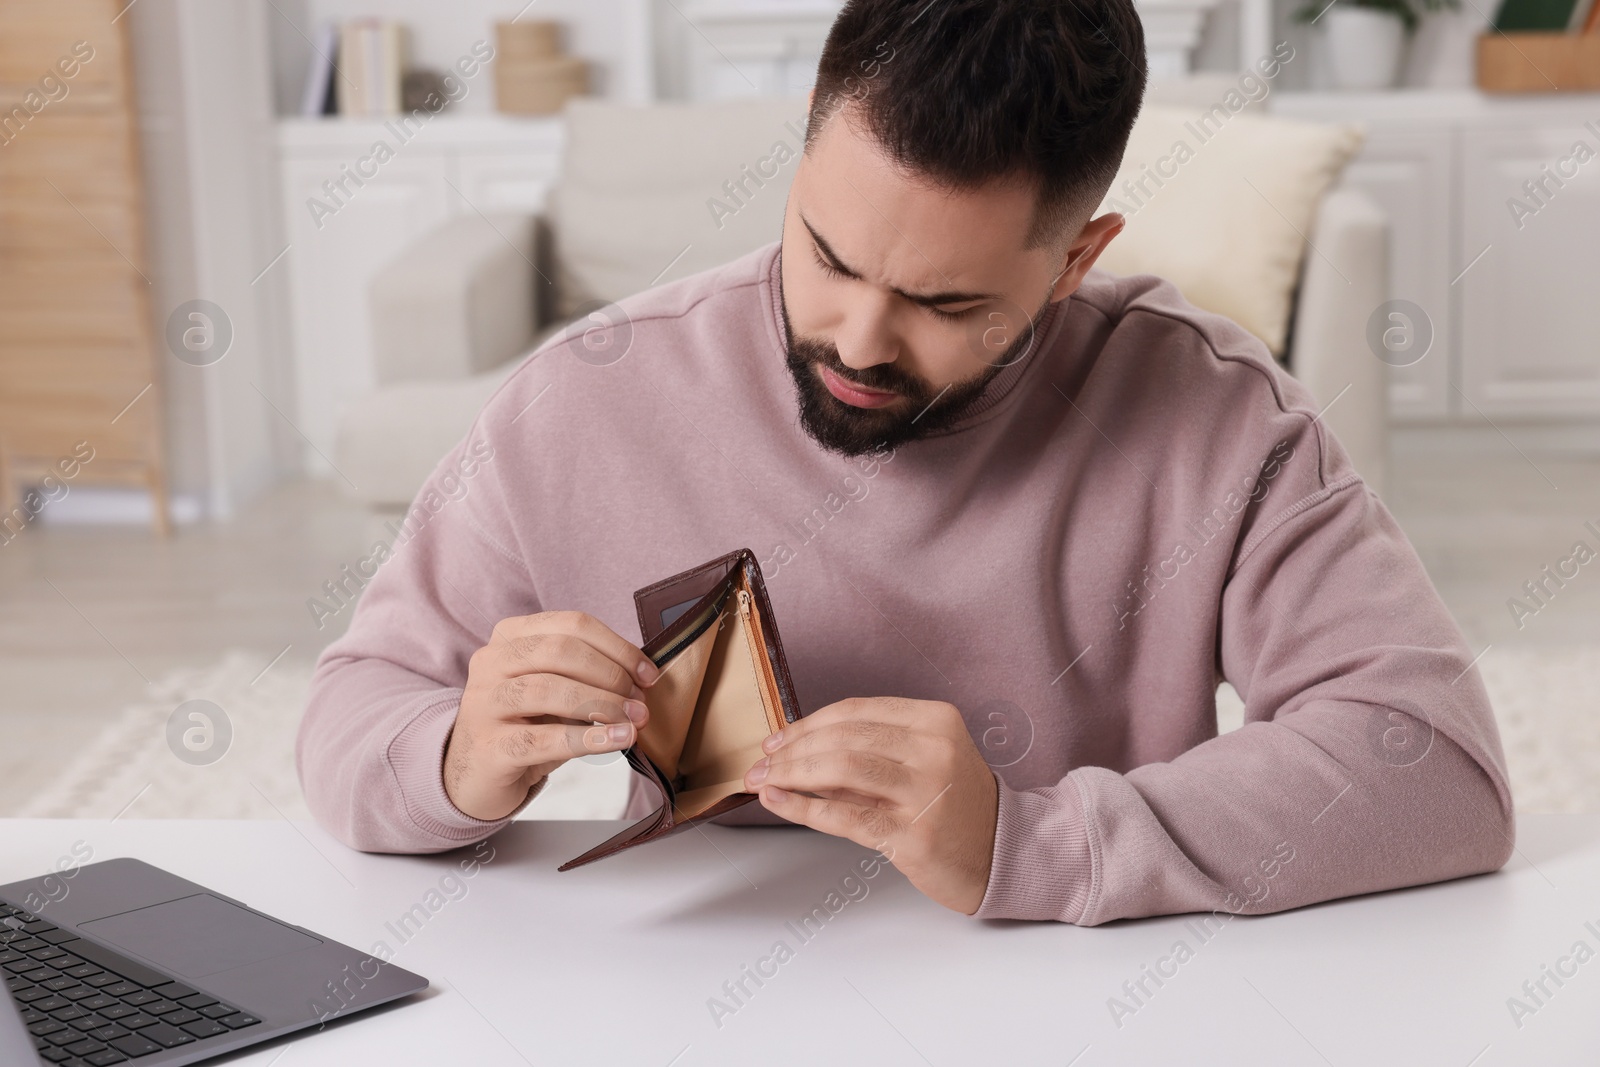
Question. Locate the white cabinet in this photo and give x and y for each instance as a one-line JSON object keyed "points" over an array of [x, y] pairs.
{"points": [[331, 258], [1406, 170], [351, 206], [723, 49], [729, 49], [1510, 295], [518, 181], [1528, 329]]}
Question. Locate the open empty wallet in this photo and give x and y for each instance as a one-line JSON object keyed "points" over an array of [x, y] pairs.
{"points": [[724, 687]]}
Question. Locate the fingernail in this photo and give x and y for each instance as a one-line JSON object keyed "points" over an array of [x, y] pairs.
{"points": [[595, 736], [636, 709], [772, 741], [618, 732], [757, 774], [775, 795], [636, 693], [647, 672]]}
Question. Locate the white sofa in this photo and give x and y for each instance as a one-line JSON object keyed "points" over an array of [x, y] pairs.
{"points": [[452, 314]]}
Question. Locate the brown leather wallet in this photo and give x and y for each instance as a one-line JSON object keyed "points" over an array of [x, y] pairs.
{"points": [[724, 687]]}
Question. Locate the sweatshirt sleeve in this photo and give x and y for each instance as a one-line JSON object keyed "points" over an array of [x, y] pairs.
{"points": [[1369, 758], [383, 701]]}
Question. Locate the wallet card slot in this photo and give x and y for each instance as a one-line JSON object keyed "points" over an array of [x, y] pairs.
{"points": [[657, 604], [674, 701], [685, 631]]}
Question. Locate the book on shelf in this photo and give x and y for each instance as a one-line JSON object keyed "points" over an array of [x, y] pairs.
{"points": [[357, 69], [318, 97]]}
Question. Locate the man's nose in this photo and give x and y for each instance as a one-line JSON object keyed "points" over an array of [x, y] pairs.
{"points": [[867, 337]]}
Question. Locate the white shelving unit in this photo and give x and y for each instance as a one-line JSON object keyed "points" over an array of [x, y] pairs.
{"points": [[471, 159], [456, 165], [1511, 340], [721, 49], [1512, 307]]}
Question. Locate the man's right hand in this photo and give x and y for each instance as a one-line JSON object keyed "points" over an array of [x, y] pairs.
{"points": [[545, 689]]}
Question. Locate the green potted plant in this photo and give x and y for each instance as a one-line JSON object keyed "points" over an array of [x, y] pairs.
{"points": [[1367, 38]]}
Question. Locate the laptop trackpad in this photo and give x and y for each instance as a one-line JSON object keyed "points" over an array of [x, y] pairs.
{"points": [[199, 935]]}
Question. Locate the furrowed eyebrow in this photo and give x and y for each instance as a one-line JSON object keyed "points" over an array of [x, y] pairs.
{"points": [[924, 299]]}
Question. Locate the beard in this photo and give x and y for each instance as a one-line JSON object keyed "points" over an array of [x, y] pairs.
{"points": [[921, 411]]}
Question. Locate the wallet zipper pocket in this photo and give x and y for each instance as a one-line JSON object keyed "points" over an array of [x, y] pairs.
{"points": [[769, 684]]}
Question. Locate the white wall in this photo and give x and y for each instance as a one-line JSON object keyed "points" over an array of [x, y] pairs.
{"points": [[163, 148], [288, 27], [614, 35], [206, 117]]}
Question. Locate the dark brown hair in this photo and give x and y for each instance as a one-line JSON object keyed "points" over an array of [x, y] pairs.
{"points": [[969, 91]]}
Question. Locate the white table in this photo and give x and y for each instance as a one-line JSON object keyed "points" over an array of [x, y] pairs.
{"points": [[616, 962]]}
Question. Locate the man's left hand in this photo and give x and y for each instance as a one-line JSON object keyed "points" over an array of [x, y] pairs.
{"points": [[897, 775]]}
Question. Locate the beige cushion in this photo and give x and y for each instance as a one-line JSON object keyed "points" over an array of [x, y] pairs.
{"points": [[640, 185], [1229, 221]]}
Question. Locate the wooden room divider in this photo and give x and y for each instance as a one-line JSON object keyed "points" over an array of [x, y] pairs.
{"points": [[80, 388]]}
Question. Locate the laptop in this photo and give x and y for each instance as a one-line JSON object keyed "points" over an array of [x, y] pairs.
{"points": [[122, 962]]}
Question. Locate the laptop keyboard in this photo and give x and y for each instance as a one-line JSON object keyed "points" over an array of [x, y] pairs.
{"points": [[85, 1004]]}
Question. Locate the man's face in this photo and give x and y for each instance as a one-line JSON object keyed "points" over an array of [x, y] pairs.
{"points": [[901, 300]]}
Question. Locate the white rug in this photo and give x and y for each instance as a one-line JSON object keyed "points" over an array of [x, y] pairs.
{"points": [[1546, 700], [129, 767], [1548, 703]]}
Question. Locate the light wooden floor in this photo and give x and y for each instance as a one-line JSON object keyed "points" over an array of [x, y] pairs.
{"points": [[1485, 527], [89, 615]]}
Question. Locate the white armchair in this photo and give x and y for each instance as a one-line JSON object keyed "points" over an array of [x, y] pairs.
{"points": [[450, 316], [1329, 351], [453, 311]]}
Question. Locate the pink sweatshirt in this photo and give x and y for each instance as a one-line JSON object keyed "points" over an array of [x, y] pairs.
{"points": [[1143, 506]]}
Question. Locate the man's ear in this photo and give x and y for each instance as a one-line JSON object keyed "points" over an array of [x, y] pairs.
{"points": [[1091, 241]]}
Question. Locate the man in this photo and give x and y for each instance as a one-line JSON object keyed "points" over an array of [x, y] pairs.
{"points": [[1017, 518]]}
